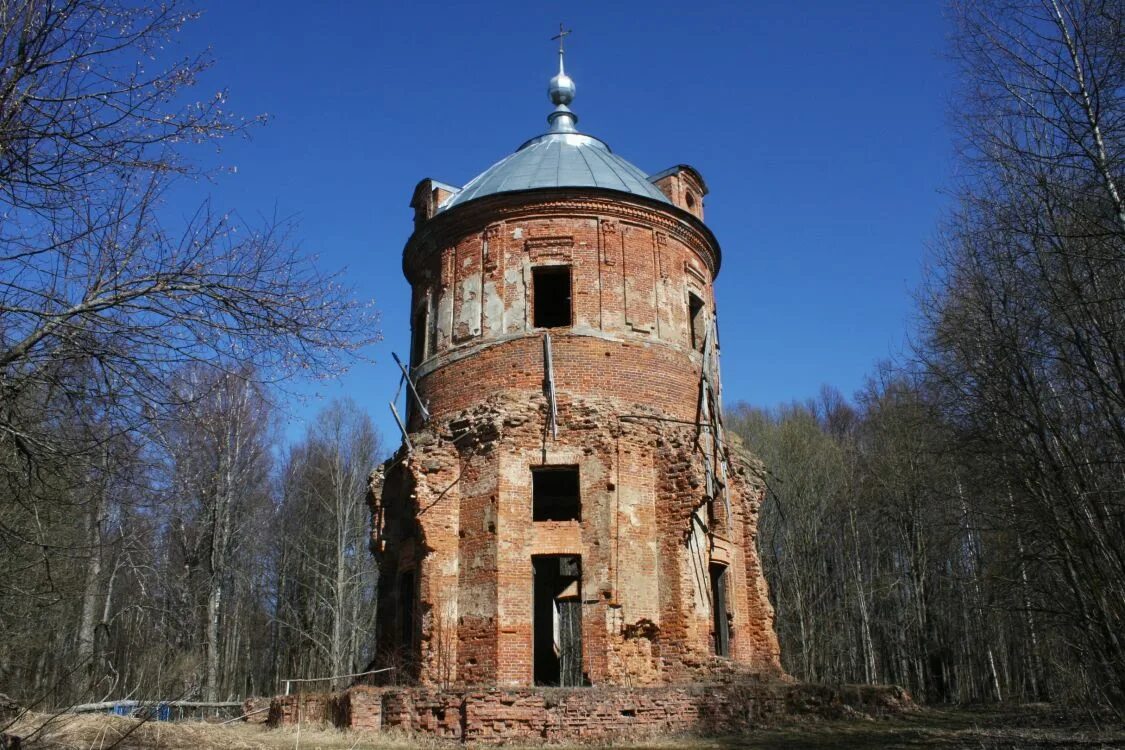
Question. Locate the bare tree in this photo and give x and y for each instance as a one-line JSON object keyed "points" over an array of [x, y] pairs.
{"points": [[1025, 334], [103, 303], [880, 568], [218, 448], [93, 126], [327, 604]]}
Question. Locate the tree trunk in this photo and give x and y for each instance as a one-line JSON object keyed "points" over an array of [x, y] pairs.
{"points": [[214, 605], [91, 593]]}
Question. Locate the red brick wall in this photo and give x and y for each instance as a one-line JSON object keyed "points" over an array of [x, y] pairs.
{"points": [[495, 717], [646, 614], [632, 267], [457, 510], [635, 374], [311, 708]]}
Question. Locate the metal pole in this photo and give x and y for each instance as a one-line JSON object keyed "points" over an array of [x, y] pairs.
{"points": [[550, 367], [410, 382], [405, 437]]}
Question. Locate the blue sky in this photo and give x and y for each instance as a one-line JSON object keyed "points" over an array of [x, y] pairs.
{"points": [[820, 127]]}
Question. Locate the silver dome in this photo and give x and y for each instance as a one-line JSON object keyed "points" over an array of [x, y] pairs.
{"points": [[558, 160], [562, 158]]}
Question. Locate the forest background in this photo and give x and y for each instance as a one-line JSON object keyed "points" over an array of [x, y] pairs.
{"points": [[958, 527]]}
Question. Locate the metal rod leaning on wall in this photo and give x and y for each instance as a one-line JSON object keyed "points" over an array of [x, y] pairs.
{"points": [[290, 680], [401, 427], [549, 382], [718, 439], [413, 390], [237, 718]]}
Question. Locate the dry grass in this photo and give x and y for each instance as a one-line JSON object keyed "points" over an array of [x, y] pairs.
{"points": [[100, 732], [989, 729]]}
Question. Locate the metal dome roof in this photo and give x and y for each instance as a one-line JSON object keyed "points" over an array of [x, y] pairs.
{"points": [[561, 158], [558, 160]]}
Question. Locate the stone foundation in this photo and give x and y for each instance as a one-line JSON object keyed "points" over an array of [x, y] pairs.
{"points": [[494, 716]]}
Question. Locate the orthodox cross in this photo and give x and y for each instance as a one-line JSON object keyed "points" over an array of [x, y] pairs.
{"points": [[561, 35]]}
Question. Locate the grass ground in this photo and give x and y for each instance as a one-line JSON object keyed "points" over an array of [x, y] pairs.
{"points": [[1034, 728]]}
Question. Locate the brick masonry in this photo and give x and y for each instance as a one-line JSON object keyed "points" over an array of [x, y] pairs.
{"points": [[496, 716], [452, 519]]}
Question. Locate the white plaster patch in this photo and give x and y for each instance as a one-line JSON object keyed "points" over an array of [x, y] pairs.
{"points": [[516, 313], [493, 308], [469, 319], [444, 320]]}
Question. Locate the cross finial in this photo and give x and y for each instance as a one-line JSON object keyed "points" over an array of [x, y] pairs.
{"points": [[561, 36], [561, 91], [563, 31]]}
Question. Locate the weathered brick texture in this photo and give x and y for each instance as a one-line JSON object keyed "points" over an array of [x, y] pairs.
{"points": [[452, 520], [494, 717]]}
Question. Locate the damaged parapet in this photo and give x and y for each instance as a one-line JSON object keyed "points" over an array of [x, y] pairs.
{"points": [[569, 511]]}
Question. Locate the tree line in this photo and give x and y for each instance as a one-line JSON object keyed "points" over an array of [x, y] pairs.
{"points": [[156, 539], [201, 560], [960, 528], [957, 528]]}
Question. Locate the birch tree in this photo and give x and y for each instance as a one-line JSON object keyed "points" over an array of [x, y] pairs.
{"points": [[104, 301], [327, 602], [218, 448], [101, 297], [1025, 318]]}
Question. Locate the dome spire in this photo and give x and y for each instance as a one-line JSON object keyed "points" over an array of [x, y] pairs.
{"points": [[561, 91]]}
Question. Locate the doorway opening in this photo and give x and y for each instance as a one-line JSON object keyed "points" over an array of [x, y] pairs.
{"points": [[721, 633], [557, 620]]}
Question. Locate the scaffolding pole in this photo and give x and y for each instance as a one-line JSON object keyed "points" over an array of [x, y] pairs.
{"points": [[709, 420], [402, 428], [549, 385], [412, 390]]}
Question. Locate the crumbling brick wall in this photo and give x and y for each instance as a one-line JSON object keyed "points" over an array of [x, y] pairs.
{"points": [[496, 717], [452, 516], [646, 617], [310, 708]]}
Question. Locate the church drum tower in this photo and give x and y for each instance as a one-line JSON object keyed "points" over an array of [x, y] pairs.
{"points": [[566, 509]]}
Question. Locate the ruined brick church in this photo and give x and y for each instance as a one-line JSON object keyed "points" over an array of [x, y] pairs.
{"points": [[566, 508]]}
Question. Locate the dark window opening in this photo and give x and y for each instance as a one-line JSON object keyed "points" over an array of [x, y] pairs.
{"points": [[695, 313], [690, 200], [554, 494], [406, 609], [557, 620], [551, 296], [721, 623], [431, 328], [418, 336]]}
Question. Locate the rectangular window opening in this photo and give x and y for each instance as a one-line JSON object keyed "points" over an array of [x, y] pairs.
{"points": [[551, 296], [695, 313], [418, 336], [431, 327], [557, 620], [554, 494], [721, 632]]}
